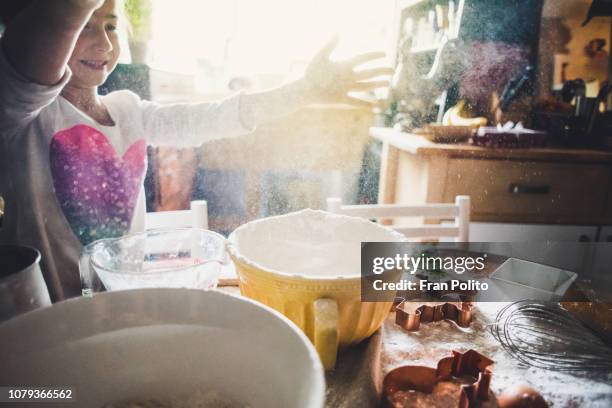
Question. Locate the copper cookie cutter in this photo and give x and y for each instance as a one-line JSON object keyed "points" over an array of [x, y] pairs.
{"points": [[410, 317], [423, 379]]}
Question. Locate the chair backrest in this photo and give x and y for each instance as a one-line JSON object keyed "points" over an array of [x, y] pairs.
{"points": [[459, 212], [196, 217]]}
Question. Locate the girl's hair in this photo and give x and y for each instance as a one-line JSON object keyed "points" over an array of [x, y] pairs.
{"points": [[9, 9]]}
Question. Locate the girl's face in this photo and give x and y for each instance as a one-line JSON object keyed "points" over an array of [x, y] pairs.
{"points": [[97, 50]]}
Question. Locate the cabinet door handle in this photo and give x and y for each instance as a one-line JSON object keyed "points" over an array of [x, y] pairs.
{"points": [[516, 188]]}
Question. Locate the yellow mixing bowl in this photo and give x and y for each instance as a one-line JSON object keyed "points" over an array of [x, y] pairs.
{"points": [[326, 306]]}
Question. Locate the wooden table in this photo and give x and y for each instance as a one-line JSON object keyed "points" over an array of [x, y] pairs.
{"points": [[357, 379]]}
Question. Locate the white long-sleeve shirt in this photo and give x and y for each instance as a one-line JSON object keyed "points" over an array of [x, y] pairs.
{"points": [[67, 180]]}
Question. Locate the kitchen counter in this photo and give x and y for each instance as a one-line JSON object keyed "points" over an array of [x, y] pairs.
{"points": [[436, 340], [523, 185], [419, 145], [357, 379]]}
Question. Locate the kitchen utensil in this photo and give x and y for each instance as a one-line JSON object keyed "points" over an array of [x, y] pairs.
{"points": [[574, 88], [423, 379], [514, 87], [153, 343], [544, 335], [307, 266], [22, 286], [178, 258], [533, 280], [410, 313], [445, 133]]}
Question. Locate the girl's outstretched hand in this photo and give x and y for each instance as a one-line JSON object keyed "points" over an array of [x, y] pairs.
{"points": [[330, 81], [325, 82]]}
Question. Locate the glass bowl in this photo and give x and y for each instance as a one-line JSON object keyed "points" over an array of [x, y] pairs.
{"points": [[168, 258]]}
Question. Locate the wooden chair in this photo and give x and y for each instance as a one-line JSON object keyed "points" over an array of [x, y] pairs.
{"points": [[459, 211], [196, 217]]}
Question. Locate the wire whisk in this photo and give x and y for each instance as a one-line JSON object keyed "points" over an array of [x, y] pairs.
{"points": [[545, 335]]}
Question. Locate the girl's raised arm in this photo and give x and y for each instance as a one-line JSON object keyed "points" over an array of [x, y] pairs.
{"points": [[40, 40], [325, 81]]}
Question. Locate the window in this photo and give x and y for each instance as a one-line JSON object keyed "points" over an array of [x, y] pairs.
{"points": [[268, 40]]}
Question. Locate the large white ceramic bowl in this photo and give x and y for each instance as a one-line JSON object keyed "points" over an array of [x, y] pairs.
{"points": [[160, 342]]}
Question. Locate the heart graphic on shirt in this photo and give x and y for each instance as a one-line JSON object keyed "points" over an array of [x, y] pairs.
{"points": [[97, 190]]}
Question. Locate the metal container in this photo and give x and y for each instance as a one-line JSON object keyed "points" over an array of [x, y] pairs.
{"points": [[22, 287]]}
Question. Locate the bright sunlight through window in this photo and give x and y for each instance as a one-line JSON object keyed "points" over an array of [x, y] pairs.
{"points": [[274, 39]]}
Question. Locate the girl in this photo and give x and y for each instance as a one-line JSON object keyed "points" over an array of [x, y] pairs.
{"points": [[74, 162]]}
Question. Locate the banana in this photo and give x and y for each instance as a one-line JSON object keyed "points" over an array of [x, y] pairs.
{"points": [[453, 117]]}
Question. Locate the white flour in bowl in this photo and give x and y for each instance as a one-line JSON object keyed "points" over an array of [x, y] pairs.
{"points": [[309, 242]]}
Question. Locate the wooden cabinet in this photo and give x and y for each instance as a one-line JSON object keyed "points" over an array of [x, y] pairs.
{"points": [[529, 191], [605, 235], [545, 186]]}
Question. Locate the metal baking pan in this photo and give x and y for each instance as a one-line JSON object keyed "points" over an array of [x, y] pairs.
{"points": [[530, 279]]}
